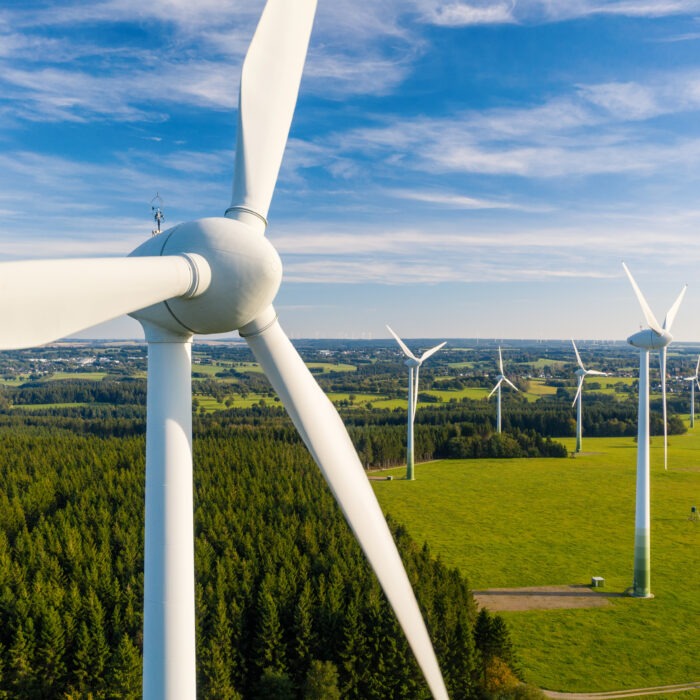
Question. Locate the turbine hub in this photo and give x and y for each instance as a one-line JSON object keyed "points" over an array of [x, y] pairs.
{"points": [[245, 275], [411, 362], [650, 340]]}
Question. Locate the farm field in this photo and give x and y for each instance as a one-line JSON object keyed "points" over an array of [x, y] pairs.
{"points": [[537, 522], [86, 376]]}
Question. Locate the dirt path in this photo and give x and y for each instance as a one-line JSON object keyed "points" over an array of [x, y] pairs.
{"points": [[634, 693], [543, 598]]}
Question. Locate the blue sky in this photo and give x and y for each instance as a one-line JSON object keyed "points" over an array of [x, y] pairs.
{"points": [[455, 169]]}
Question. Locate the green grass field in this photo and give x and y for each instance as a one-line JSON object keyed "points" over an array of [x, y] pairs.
{"points": [[86, 376], [471, 392], [46, 406], [537, 388], [530, 522]]}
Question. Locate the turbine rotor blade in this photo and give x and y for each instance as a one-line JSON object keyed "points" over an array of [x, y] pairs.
{"points": [[432, 351], [578, 357], [270, 81], [578, 392], [415, 391], [511, 383], [327, 439], [697, 366], [500, 360], [596, 373], [44, 300], [671, 315], [646, 309], [493, 391], [403, 346]]}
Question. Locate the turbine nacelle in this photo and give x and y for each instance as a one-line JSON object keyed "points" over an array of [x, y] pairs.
{"points": [[413, 362], [245, 271], [650, 340]]}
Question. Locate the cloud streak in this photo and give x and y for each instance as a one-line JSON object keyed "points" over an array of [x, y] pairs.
{"points": [[458, 13]]}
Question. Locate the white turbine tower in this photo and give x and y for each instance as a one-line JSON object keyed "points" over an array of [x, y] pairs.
{"points": [[653, 338], [210, 276], [662, 372], [693, 381], [581, 373], [501, 378], [413, 363]]}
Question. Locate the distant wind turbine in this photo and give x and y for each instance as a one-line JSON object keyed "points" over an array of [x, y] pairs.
{"points": [[501, 378], [582, 373], [693, 381], [413, 363], [655, 337]]}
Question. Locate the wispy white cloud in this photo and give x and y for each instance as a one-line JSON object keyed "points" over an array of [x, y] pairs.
{"points": [[459, 13], [452, 201], [565, 9]]}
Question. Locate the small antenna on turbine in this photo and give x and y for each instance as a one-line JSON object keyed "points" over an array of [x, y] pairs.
{"points": [[158, 216]]}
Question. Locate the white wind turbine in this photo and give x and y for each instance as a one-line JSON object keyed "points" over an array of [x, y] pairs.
{"points": [[582, 373], [655, 337], [501, 378], [413, 363], [693, 381], [210, 276]]}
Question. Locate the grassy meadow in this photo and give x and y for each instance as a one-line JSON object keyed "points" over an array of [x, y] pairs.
{"points": [[533, 522]]}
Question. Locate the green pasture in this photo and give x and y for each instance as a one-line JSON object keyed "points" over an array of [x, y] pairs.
{"points": [[543, 362], [45, 406], [470, 392], [610, 382], [534, 522], [537, 388], [325, 367], [461, 365], [211, 370], [247, 367], [361, 400], [14, 382], [208, 404], [87, 376]]}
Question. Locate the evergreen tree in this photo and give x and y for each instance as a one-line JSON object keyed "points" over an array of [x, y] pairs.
{"points": [[322, 681], [304, 636], [270, 645], [274, 685], [50, 655], [82, 657], [124, 681], [353, 655], [21, 679]]}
